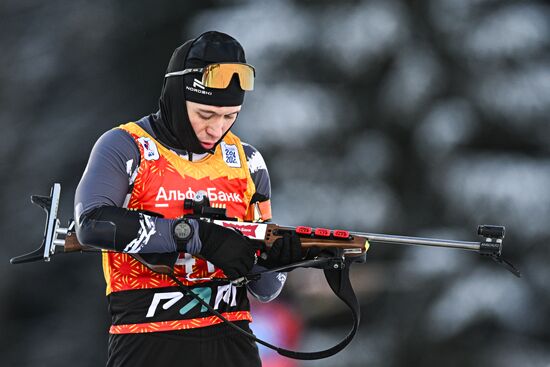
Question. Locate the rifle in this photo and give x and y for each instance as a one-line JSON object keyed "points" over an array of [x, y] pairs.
{"points": [[334, 252]]}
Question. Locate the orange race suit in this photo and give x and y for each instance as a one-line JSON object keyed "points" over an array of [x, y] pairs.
{"points": [[129, 168]]}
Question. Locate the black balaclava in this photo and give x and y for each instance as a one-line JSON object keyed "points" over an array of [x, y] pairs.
{"points": [[171, 122]]}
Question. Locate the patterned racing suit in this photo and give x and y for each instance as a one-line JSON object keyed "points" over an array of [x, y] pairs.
{"points": [[153, 321]]}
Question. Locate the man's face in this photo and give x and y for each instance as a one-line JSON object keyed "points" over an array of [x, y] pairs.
{"points": [[210, 123]]}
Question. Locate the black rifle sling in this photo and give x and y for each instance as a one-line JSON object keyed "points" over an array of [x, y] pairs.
{"points": [[339, 282]]}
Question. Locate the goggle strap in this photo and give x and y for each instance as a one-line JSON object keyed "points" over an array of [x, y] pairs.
{"points": [[183, 72]]}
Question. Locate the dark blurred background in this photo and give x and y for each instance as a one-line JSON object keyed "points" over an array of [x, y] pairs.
{"points": [[405, 117]]}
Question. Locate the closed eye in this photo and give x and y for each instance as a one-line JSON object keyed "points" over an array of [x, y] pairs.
{"points": [[205, 117]]}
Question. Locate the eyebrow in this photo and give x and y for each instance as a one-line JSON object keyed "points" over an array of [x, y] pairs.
{"points": [[207, 111], [214, 113]]}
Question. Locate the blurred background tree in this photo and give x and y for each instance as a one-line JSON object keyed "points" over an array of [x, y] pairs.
{"points": [[407, 117]]}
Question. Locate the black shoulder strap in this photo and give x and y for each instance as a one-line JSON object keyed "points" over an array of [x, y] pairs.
{"points": [[341, 286]]}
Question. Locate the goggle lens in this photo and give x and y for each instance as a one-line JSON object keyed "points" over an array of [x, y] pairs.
{"points": [[219, 75]]}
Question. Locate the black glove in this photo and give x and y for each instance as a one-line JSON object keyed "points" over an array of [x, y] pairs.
{"points": [[284, 251], [226, 249]]}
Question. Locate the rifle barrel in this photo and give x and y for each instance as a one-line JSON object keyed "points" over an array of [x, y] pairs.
{"points": [[417, 241]]}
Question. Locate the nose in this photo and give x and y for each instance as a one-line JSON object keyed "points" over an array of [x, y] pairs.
{"points": [[215, 128]]}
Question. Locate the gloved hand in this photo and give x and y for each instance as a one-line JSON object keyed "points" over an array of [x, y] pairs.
{"points": [[225, 248], [284, 251]]}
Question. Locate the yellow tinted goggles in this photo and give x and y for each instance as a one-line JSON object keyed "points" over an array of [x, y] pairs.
{"points": [[219, 75]]}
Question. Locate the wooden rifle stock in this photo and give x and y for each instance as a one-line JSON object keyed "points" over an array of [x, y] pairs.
{"points": [[72, 244], [268, 233]]}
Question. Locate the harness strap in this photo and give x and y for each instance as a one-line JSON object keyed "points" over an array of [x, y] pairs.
{"points": [[339, 282]]}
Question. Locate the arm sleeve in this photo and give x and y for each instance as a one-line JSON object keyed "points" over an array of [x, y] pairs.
{"points": [[269, 285], [100, 214], [259, 173]]}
